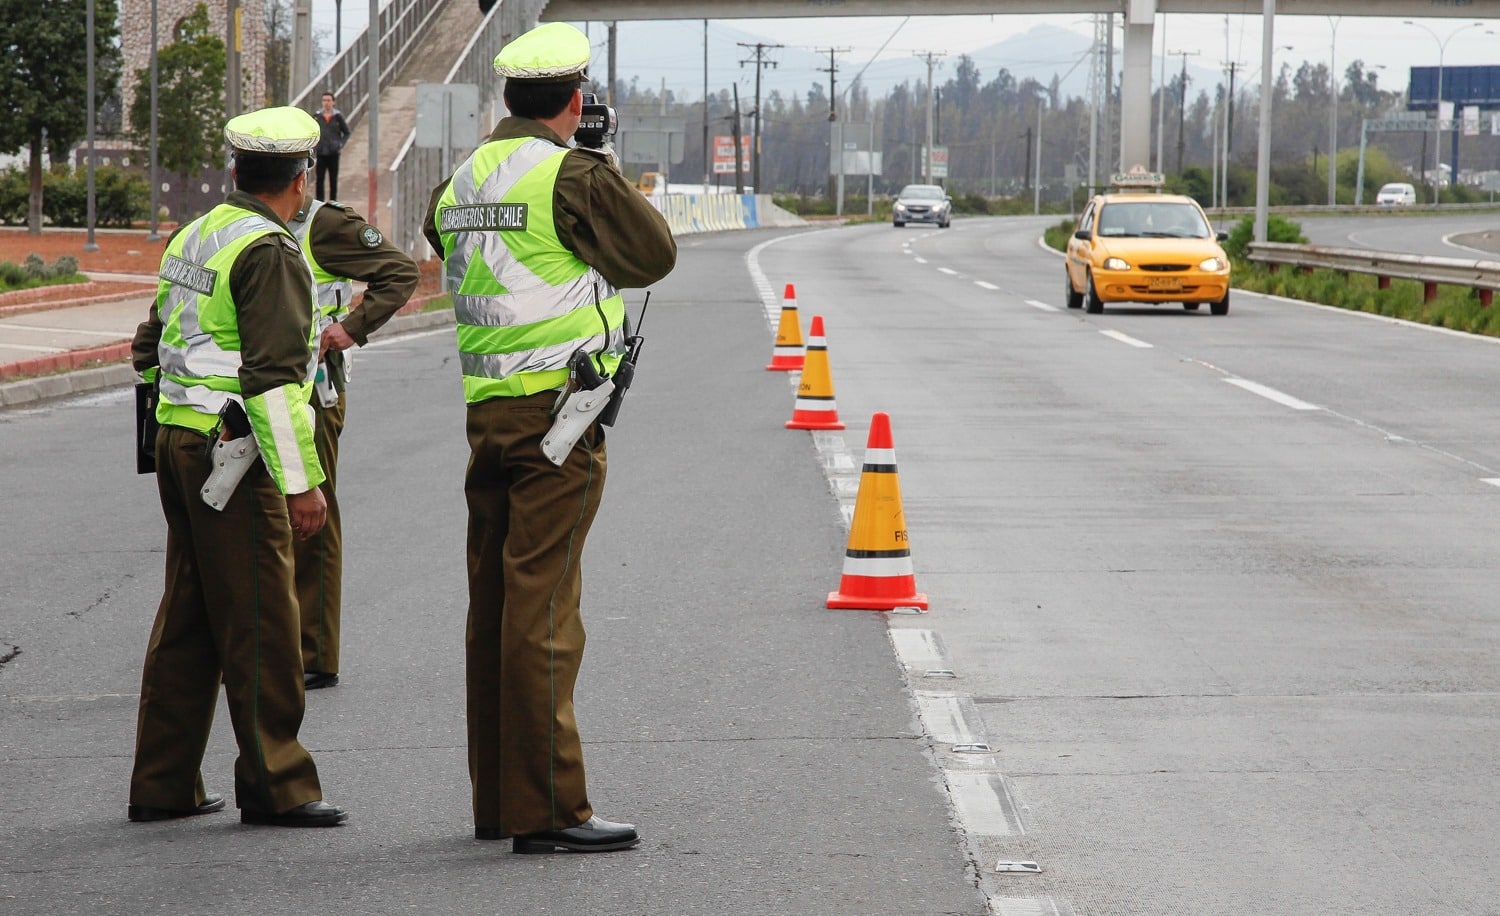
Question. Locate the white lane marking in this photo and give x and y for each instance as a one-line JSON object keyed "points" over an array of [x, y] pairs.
{"points": [[405, 338], [31, 349], [1126, 339], [1492, 481], [949, 271], [983, 285], [1041, 305], [918, 650], [1272, 394], [1484, 255], [1026, 906], [943, 714], [921, 260], [984, 804], [43, 330]]}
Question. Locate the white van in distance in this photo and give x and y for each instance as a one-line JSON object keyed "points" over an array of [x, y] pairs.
{"points": [[1398, 194]]}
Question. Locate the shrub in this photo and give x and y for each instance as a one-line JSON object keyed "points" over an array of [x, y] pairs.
{"points": [[15, 196], [1278, 229]]}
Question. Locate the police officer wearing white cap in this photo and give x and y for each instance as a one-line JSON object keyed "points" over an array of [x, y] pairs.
{"points": [[230, 334], [537, 239]]}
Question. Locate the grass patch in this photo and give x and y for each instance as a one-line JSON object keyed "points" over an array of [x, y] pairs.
{"points": [[445, 301], [1455, 308], [35, 272], [1057, 236]]}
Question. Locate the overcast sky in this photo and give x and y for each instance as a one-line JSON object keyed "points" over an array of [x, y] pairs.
{"points": [[1215, 38]]}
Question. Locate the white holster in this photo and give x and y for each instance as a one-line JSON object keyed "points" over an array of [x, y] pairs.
{"points": [[576, 411], [231, 460]]}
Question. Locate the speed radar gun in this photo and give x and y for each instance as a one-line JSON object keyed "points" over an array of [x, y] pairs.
{"points": [[590, 394], [232, 453], [597, 123]]}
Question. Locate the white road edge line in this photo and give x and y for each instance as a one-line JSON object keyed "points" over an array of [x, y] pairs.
{"points": [[1271, 394], [1126, 339], [1041, 305]]}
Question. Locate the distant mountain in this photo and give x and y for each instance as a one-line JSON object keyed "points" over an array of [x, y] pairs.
{"points": [[671, 52]]}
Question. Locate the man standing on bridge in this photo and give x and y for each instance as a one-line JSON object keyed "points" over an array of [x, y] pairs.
{"points": [[537, 240]]}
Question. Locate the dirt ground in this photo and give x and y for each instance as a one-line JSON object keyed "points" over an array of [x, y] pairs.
{"points": [[124, 252], [120, 251]]}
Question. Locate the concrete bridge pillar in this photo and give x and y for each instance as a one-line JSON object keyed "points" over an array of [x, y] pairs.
{"points": [[1135, 85]]}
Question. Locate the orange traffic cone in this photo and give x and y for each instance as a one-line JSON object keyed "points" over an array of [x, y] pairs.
{"points": [[877, 564], [815, 408], [787, 354]]}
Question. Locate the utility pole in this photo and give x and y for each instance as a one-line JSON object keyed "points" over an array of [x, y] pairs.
{"points": [[831, 71], [835, 136], [759, 60], [931, 57], [153, 235], [89, 244], [1182, 105], [739, 162], [1229, 123], [707, 167], [1026, 178], [609, 91]]}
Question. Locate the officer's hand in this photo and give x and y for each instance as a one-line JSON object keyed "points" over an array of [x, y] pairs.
{"points": [[605, 152], [308, 511], [334, 338]]}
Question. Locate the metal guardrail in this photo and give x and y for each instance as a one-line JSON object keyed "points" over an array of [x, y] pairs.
{"points": [[1481, 276], [415, 170], [402, 24]]}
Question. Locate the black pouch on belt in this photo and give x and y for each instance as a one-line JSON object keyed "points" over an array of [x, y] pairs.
{"points": [[145, 427]]}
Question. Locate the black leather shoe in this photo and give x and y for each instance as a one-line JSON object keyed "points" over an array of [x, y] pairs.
{"points": [[312, 814], [317, 680], [490, 833], [593, 835], [210, 804]]}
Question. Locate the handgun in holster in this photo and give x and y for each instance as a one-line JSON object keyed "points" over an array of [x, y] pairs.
{"points": [[232, 451], [146, 396], [580, 402], [327, 392]]}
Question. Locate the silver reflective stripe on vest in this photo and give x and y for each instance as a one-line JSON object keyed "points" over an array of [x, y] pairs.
{"points": [[529, 298], [541, 359], [334, 294], [199, 397], [201, 356]]}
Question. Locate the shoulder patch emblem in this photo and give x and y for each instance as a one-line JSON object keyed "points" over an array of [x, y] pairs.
{"points": [[371, 237], [291, 243]]}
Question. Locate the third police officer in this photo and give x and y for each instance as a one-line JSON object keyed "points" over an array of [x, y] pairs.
{"points": [[339, 246]]}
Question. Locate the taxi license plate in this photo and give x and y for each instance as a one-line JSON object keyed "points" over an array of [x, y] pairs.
{"points": [[1166, 284]]}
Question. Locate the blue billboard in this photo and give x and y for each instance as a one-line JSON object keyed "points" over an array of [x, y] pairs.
{"points": [[1461, 85]]}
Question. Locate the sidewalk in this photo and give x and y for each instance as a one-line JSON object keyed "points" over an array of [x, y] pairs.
{"points": [[70, 339]]}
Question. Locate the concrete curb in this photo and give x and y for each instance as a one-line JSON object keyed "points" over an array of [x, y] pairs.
{"points": [[83, 381]]}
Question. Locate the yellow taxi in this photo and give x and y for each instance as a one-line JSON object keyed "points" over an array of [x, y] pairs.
{"points": [[1137, 246]]}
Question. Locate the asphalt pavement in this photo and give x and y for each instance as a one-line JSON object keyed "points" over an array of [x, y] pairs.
{"points": [[767, 748]]}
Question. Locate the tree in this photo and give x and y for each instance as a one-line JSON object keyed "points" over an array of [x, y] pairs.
{"points": [[44, 79], [278, 23], [190, 101]]}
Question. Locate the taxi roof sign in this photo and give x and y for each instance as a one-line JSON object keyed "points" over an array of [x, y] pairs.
{"points": [[1137, 177]]}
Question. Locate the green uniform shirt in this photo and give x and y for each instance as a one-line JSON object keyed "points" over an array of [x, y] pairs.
{"points": [[272, 293], [635, 248], [347, 246]]}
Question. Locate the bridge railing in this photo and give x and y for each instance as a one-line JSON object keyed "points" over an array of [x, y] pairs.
{"points": [[417, 170], [1481, 276], [402, 23]]}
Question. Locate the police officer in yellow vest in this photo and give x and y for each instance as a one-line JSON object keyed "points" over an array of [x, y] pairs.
{"points": [[537, 240], [339, 246], [230, 336]]}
